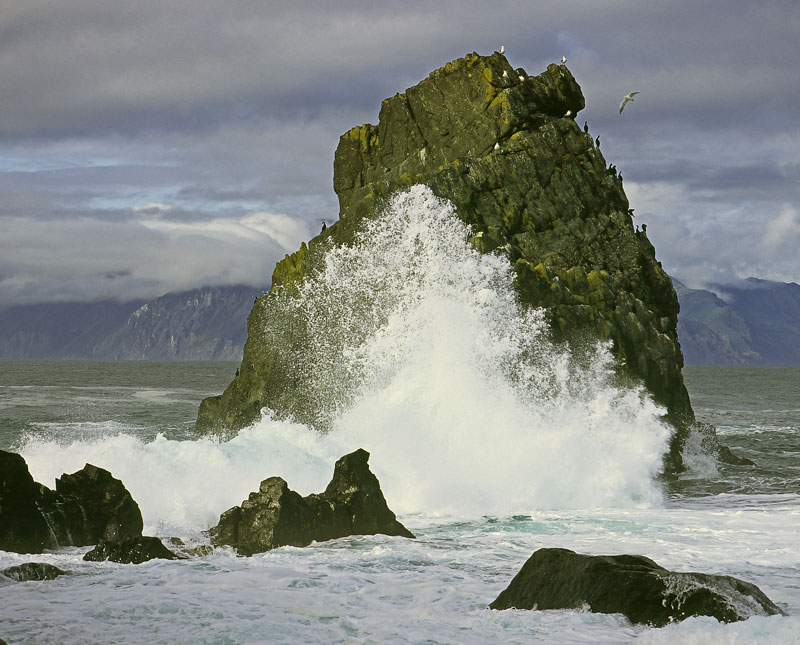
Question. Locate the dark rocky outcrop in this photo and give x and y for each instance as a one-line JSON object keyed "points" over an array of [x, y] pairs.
{"points": [[90, 506], [130, 550], [632, 585], [22, 527], [33, 571], [352, 504], [504, 148], [86, 507]]}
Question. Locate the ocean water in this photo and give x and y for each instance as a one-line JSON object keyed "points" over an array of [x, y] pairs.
{"points": [[489, 441]]}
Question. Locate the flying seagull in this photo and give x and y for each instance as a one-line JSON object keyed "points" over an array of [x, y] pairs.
{"points": [[563, 59], [626, 100]]}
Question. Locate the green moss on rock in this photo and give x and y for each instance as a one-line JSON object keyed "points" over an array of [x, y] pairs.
{"points": [[532, 184]]}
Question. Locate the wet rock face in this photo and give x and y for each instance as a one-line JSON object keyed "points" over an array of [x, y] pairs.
{"points": [[632, 585], [90, 506], [274, 516], [22, 527], [87, 507], [33, 571], [130, 550], [505, 149]]}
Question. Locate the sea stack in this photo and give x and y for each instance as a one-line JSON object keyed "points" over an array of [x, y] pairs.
{"points": [[544, 197]]}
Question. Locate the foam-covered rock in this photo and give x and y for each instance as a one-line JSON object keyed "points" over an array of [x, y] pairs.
{"points": [[33, 571], [505, 149], [632, 585], [274, 516], [131, 550]]}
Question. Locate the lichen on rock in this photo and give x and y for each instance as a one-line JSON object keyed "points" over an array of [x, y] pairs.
{"points": [[506, 151]]}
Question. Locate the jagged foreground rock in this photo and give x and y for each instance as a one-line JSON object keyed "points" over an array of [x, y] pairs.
{"points": [[352, 504], [130, 550], [632, 585], [87, 507], [505, 149]]}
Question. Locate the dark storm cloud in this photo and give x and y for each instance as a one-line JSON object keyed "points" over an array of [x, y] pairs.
{"points": [[172, 144]]}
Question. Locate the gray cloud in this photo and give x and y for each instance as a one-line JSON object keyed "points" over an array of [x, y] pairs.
{"points": [[174, 144]]}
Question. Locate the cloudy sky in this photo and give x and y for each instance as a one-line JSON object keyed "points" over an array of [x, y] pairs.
{"points": [[167, 144]]}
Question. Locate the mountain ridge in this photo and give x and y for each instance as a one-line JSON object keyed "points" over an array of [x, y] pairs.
{"points": [[750, 322], [207, 323]]}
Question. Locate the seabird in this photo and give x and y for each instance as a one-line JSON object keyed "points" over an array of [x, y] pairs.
{"points": [[563, 59], [628, 98], [502, 49], [586, 127], [497, 146], [568, 113], [597, 142], [521, 79], [505, 73]]}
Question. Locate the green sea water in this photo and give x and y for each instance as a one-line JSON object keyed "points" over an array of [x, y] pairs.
{"points": [[73, 399], [136, 419]]}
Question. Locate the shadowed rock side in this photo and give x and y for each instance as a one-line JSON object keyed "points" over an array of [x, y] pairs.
{"points": [[533, 185], [22, 527], [87, 507], [130, 550], [352, 504], [632, 585]]}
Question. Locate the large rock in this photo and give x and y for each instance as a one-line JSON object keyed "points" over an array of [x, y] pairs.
{"points": [[87, 507], [632, 585], [90, 506], [130, 550], [352, 504], [22, 527], [532, 184]]}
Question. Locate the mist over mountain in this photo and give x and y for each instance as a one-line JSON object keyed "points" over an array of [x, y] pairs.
{"points": [[203, 324], [751, 322]]}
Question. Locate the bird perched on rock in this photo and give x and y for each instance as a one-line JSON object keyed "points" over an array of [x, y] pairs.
{"points": [[505, 73], [496, 146], [628, 98], [502, 49], [586, 127], [563, 59], [521, 78]]}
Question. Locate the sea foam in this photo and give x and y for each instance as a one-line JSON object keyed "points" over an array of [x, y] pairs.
{"points": [[421, 354]]}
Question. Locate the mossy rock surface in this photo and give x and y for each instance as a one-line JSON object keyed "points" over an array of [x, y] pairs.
{"points": [[506, 151]]}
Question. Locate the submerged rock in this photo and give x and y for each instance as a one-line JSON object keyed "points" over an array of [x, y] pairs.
{"points": [[22, 527], [504, 148], [632, 585], [33, 571], [131, 550], [90, 506], [86, 507], [352, 504]]}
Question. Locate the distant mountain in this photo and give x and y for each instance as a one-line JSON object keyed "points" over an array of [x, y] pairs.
{"points": [[202, 324], [749, 323], [752, 322]]}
